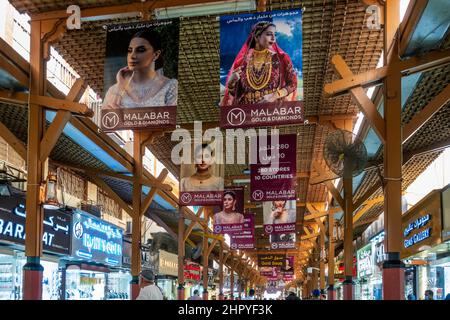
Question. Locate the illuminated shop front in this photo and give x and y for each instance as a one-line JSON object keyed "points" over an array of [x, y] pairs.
{"points": [[56, 244], [94, 270], [167, 278], [370, 260], [426, 245], [192, 278]]}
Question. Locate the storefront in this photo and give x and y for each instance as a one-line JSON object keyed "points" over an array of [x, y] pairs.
{"points": [[192, 278], [94, 270], [168, 274], [370, 269], [56, 244], [426, 250]]}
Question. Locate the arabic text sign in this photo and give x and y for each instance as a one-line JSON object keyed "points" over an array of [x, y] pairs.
{"points": [[269, 182], [271, 260], [365, 263], [56, 235], [96, 240], [421, 225]]}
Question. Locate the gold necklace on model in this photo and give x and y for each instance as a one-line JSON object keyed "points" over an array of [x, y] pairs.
{"points": [[259, 69]]}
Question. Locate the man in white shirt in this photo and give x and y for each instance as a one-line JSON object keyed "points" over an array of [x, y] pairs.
{"points": [[149, 290]]}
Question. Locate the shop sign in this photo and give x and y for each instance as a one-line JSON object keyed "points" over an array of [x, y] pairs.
{"points": [[192, 271], [168, 263], [378, 248], [96, 240], [365, 261], [446, 214], [271, 260], [421, 225], [56, 233]]}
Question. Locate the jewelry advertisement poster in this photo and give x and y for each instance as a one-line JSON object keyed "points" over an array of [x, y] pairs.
{"points": [[201, 179], [261, 80], [245, 239], [229, 218], [141, 76], [279, 216], [273, 174]]}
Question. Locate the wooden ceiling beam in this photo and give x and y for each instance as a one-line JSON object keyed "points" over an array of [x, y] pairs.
{"points": [[111, 11], [422, 117], [13, 141]]}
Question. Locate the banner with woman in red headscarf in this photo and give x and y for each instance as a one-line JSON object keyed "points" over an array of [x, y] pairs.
{"points": [[261, 83]]}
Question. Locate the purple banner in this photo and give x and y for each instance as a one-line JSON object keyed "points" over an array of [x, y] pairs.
{"points": [[229, 218], [201, 198], [246, 238], [280, 216], [261, 115], [282, 241], [289, 267], [261, 81], [139, 118], [276, 180]]}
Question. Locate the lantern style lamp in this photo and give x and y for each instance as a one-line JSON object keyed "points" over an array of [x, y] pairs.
{"points": [[50, 194]]}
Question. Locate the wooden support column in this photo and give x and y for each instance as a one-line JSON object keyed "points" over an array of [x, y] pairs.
{"points": [[136, 217], [240, 285], [393, 268], [348, 237], [221, 262], [33, 270], [331, 290], [181, 254], [322, 261], [205, 255], [231, 284]]}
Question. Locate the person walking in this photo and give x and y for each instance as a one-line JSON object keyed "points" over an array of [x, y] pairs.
{"points": [[149, 290], [316, 294], [429, 295], [292, 296], [195, 296], [251, 295]]}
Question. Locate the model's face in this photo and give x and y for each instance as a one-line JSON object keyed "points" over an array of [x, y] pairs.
{"points": [[279, 204], [203, 160], [266, 38], [141, 54], [228, 202]]}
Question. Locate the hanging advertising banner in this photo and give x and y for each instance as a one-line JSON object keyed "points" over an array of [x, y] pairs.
{"points": [[96, 240], [274, 176], [141, 76], [365, 263], [289, 265], [271, 260], [229, 218], [201, 182], [246, 238], [280, 216], [56, 233], [268, 271], [261, 80], [282, 241]]}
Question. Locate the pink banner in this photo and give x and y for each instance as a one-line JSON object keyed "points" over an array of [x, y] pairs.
{"points": [[261, 115], [201, 198], [275, 180], [229, 218], [246, 238]]}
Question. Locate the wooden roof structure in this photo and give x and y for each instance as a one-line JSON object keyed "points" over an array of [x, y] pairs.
{"points": [[330, 27]]}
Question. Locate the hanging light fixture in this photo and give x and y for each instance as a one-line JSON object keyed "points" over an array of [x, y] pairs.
{"points": [[337, 234], [50, 192]]}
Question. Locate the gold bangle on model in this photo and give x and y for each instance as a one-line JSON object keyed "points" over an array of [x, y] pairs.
{"points": [[281, 93]]}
